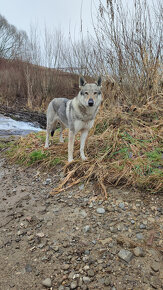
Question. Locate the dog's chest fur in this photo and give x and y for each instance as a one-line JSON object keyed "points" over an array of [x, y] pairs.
{"points": [[81, 125]]}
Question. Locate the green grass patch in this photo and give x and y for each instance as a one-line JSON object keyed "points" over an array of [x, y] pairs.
{"points": [[30, 151], [36, 156]]}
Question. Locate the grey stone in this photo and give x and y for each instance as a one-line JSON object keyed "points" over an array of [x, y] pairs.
{"points": [[94, 242], [47, 282], [61, 287], [74, 285], [122, 205], [100, 210], [83, 213], [86, 279], [155, 266], [139, 252], [28, 268], [139, 236], [125, 255], [113, 230], [85, 259], [133, 222], [47, 181], [19, 233], [91, 273], [71, 275], [142, 226], [86, 252], [66, 267], [56, 209], [54, 248], [80, 282], [86, 229], [107, 281]]}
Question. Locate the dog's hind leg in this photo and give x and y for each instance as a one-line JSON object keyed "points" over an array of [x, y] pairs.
{"points": [[61, 135], [50, 130], [83, 137]]}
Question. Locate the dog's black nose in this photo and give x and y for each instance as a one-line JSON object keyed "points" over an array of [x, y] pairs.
{"points": [[91, 102]]}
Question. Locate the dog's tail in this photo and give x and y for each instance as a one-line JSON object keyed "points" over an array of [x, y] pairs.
{"points": [[52, 133]]}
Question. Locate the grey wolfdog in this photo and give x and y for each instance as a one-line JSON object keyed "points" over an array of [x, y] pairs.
{"points": [[77, 114]]}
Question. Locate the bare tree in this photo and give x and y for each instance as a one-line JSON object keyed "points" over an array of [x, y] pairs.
{"points": [[11, 40]]}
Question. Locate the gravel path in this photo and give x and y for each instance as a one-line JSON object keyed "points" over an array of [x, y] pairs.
{"points": [[76, 240]]}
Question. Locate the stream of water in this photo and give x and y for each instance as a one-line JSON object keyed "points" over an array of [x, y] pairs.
{"points": [[9, 126]]}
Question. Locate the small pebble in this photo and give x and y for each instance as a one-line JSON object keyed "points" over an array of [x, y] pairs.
{"points": [[122, 205], [139, 236], [91, 273], [86, 280], [125, 255], [74, 285], [86, 229], [142, 226], [138, 252], [155, 266], [100, 210], [107, 281], [47, 282]]}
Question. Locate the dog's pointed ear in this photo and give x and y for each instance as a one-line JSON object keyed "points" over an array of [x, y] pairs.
{"points": [[99, 81], [82, 82]]}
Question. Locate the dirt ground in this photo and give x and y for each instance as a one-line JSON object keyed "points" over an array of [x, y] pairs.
{"points": [[76, 240]]}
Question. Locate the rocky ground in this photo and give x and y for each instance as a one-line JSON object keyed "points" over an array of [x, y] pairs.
{"points": [[75, 240]]}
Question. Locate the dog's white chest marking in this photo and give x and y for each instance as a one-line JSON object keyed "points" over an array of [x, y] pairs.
{"points": [[80, 125]]}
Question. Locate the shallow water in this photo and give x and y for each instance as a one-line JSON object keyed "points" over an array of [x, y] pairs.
{"points": [[9, 126]]}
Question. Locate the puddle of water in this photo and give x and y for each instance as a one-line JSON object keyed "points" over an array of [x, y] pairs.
{"points": [[9, 126]]}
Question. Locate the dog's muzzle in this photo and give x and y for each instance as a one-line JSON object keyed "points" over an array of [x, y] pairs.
{"points": [[90, 102]]}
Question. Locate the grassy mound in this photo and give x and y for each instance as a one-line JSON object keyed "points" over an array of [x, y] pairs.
{"points": [[124, 148]]}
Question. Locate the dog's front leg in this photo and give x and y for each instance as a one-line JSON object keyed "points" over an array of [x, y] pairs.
{"points": [[84, 134], [71, 140], [47, 138]]}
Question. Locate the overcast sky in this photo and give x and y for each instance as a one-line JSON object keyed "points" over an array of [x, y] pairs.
{"points": [[56, 14], [64, 15]]}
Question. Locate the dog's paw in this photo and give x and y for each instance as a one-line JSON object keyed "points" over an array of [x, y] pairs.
{"points": [[61, 141], [84, 158], [70, 160]]}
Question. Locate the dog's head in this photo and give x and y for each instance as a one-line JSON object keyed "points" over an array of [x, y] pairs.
{"points": [[90, 94]]}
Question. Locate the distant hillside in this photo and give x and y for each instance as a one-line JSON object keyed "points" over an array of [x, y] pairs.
{"points": [[23, 85]]}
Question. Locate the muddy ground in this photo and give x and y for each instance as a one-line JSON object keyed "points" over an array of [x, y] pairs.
{"points": [[76, 240]]}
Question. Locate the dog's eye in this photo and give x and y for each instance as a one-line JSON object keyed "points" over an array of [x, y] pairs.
{"points": [[95, 93], [86, 93]]}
